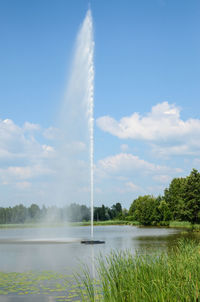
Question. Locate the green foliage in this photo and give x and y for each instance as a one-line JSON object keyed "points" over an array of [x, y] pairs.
{"points": [[34, 212], [162, 277], [75, 212], [105, 213], [180, 224], [192, 196], [130, 218], [145, 210], [181, 202], [174, 197], [183, 198], [165, 213]]}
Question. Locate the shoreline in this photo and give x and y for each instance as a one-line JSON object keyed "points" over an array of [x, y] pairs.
{"points": [[65, 224], [172, 224]]}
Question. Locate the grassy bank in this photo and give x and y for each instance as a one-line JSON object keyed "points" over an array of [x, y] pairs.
{"points": [[62, 224], [180, 224], [185, 224], [171, 224], [123, 277], [31, 225], [108, 222]]}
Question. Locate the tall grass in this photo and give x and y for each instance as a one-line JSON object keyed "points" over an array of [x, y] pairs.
{"points": [[162, 277], [106, 222], [180, 224]]}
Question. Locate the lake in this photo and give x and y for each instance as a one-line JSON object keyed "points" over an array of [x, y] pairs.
{"points": [[58, 249]]}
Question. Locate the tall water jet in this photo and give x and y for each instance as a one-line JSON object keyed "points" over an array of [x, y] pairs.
{"points": [[77, 121], [91, 113]]}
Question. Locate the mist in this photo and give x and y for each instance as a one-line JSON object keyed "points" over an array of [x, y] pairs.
{"points": [[74, 144]]}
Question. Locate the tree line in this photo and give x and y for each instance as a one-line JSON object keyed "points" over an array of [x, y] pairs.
{"points": [[180, 202], [72, 213]]}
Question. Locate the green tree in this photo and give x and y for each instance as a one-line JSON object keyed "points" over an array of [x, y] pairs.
{"points": [[75, 212], [19, 214], [2, 215], [165, 213], [85, 213], [145, 210], [100, 213], [174, 196], [34, 212], [116, 210], [192, 196]]}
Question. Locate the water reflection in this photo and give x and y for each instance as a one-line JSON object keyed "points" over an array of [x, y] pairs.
{"points": [[155, 244]]}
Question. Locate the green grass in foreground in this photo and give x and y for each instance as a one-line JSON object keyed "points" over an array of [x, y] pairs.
{"points": [[164, 277]]}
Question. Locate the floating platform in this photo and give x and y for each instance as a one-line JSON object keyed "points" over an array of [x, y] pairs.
{"points": [[92, 241]]}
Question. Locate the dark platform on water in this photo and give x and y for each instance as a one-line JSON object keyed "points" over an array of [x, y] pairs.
{"points": [[92, 241]]}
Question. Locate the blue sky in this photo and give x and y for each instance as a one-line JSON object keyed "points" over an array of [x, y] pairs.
{"points": [[147, 70]]}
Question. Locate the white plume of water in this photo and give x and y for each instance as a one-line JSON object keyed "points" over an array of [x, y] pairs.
{"points": [[90, 48], [77, 121]]}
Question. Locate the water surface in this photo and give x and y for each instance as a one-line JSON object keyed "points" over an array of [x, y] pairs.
{"points": [[58, 251], [59, 248]]}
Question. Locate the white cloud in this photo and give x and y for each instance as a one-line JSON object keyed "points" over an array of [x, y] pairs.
{"points": [[76, 146], [31, 127], [15, 142], [33, 168], [128, 187], [159, 189], [132, 187], [162, 178], [127, 162], [174, 150], [11, 174], [162, 127], [11, 136], [28, 161], [124, 147], [48, 151], [51, 133], [128, 174], [22, 157], [23, 185]]}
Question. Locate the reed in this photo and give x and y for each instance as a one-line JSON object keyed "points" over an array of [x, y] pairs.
{"points": [[163, 277], [180, 224]]}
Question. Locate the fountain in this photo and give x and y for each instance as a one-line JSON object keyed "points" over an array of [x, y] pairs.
{"points": [[89, 47], [78, 114]]}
